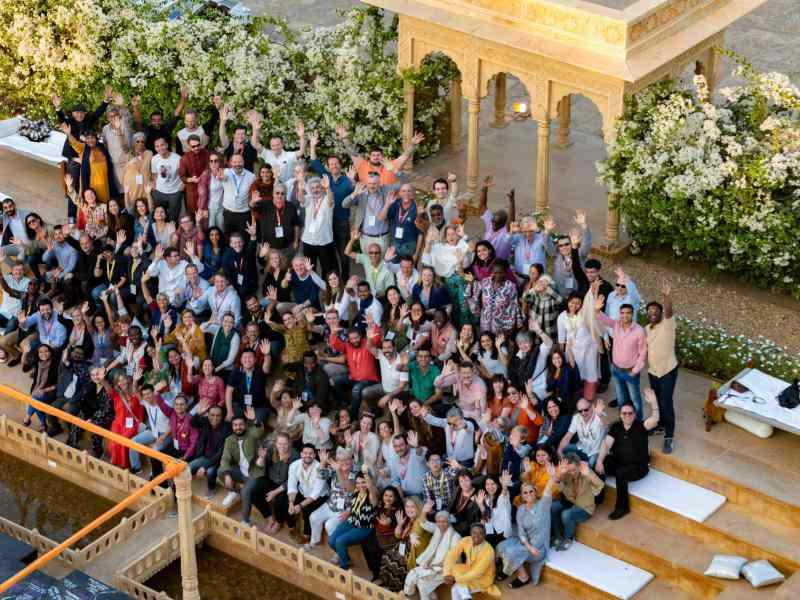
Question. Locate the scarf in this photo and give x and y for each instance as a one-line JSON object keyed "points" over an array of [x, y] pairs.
{"points": [[86, 167]]}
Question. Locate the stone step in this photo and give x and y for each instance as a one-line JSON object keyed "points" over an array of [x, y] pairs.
{"points": [[669, 554], [661, 589]]}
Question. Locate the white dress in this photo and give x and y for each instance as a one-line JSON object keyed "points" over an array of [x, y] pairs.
{"points": [[573, 332]]}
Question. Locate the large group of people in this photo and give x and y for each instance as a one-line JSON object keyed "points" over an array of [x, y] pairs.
{"points": [[337, 353]]}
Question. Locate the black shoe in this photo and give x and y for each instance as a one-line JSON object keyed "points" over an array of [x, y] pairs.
{"points": [[14, 362], [618, 513], [613, 403], [54, 430], [602, 388], [659, 430], [667, 447]]}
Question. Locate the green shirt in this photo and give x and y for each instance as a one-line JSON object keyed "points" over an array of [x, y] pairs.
{"points": [[422, 386]]}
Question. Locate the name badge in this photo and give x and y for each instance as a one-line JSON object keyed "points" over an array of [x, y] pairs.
{"points": [[240, 278], [489, 527], [248, 399], [176, 444], [340, 504], [128, 422], [398, 233], [370, 220], [133, 289], [401, 549], [439, 504], [139, 179], [129, 370], [278, 231], [569, 282]]}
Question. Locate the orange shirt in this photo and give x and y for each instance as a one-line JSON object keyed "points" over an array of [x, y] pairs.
{"points": [[533, 425], [364, 168]]}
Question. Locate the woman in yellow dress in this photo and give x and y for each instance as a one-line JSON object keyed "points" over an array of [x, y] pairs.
{"points": [[95, 164]]}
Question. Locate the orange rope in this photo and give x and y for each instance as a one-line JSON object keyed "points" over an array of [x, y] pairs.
{"points": [[172, 465], [170, 472]]}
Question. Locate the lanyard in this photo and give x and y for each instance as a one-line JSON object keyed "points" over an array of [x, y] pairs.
{"points": [[248, 380], [152, 417], [110, 269], [401, 216], [219, 303], [279, 214], [237, 182], [46, 331]]}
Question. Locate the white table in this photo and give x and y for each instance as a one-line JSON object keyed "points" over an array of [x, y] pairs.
{"points": [[761, 403]]}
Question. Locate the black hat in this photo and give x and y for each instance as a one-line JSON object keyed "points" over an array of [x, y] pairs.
{"points": [[79, 108]]}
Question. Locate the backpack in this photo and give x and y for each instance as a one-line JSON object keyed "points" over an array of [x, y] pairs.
{"points": [[790, 397]]}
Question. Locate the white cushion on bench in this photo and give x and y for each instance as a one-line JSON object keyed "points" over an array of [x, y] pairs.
{"points": [[598, 570], [675, 495], [49, 151]]}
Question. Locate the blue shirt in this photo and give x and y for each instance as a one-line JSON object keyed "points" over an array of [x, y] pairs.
{"points": [[615, 301], [342, 187], [51, 332], [410, 231], [65, 255], [527, 253]]}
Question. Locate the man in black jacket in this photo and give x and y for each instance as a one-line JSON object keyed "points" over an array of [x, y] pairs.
{"points": [[314, 385], [73, 378], [208, 451]]}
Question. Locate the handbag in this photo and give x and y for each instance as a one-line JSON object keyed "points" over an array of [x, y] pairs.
{"points": [[790, 397]]}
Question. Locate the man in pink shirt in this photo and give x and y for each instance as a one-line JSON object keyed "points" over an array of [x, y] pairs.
{"points": [[628, 355], [468, 387]]}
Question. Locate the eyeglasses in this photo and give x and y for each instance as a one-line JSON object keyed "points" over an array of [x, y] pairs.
{"points": [[584, 410], [621, 285], [278, 193], [215, 160], [374, 252], [566, 245], [138, 141]]}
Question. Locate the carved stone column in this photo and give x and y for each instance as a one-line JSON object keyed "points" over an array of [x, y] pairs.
{"points": [[542, 163], [473, 139], [564, 121], [499, 101], [408, 121], [455, 113], [714, 69], [183, 493]]}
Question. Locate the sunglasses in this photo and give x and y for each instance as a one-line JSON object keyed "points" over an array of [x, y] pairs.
{"points": [[584, 410], [564, 245], [374, 252], [214, 160]]}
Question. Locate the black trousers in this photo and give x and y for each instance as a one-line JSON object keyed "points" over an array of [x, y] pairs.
{"points": [[341, 235], [624, 474], [325, 254], [235, 221]]}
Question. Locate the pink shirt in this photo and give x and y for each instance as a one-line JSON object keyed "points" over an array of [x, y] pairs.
{"points": [[471, 397], [630, 346]]}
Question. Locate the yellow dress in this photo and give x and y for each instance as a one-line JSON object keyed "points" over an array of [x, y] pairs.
{"points": [[98, 170], [477, 572]]}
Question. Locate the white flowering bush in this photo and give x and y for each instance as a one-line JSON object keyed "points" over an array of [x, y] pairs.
{"points": [[717, 180], [328, 75]]}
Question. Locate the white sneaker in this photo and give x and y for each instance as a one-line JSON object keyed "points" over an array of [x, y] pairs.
{"points": [[229, 499]]}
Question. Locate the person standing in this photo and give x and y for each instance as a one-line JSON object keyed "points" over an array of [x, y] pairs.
{"points": [[192, 165], [317, 234], [236, 196], [662, 369], [157, 127], [166, 180], [628, 354], [624, 453], [118, 137]]}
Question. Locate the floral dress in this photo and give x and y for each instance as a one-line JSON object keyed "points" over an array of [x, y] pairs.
{"points": [[496, 304]]}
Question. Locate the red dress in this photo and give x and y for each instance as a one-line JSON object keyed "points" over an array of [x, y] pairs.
{"points": [[127, 417]]}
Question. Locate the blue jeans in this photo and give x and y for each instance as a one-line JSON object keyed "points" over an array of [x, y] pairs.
{"points": [[97, 290], [563, 521], [664, 387], [39, 414], [146, 438], [627, 387], [211, 470], [346, 535]]}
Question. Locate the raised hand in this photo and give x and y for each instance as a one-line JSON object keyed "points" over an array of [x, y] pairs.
{"points": [[189, 247], [56, 101], [599, 302], [121, 237], [326, 183], [413, 440], [158, 253], [665, 289], [313, 139], [549, 225], [391, 252], [575, 237], [417, 138], [341, 132], [488, 181], [580, 218], [250, 413], [263, 346], [300, 129], [263, 250], [272, 293], [650, 397], [505, 479]]}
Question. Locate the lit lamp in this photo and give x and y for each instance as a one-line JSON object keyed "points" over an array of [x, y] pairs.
{"points": [[521, 110]]}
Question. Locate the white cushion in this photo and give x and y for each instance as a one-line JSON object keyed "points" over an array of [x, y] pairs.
{"points": [[749, 424], [725, 566], [49, 151], [761, 573], [675, 495], [598, 570]]}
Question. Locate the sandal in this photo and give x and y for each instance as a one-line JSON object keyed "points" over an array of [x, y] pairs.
{"points": [[518, 584]]}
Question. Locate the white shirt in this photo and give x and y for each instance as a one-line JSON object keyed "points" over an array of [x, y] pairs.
{"points": [[170, 279], [183, 137], [157, 421], [227, 301], [391, 378], [282, 165], [444, 259], [236, 197], [11, 306], [244, 464], [590, 435], [168, 179], [318, 228], [306, 481]]}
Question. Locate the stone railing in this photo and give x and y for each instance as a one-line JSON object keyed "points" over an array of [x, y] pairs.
{"points": [[134, 589], [40, 543], [127, 528], [165, 552], [306, 566]]}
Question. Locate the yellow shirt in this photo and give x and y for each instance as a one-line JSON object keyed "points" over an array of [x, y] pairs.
{"points": [[477, 573], [661, 347]]}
